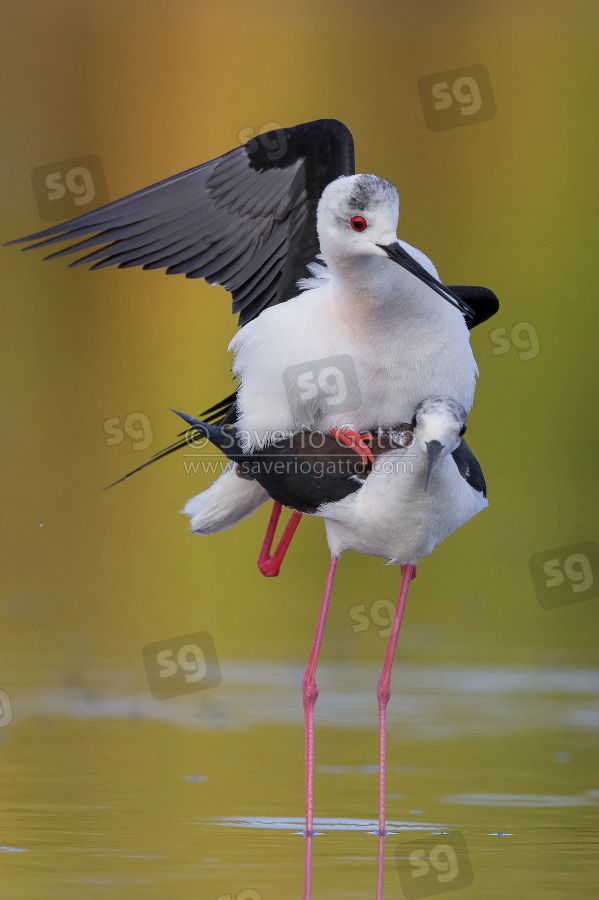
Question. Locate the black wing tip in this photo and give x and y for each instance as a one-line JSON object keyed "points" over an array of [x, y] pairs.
{"points": [[183, 415], [470, 468], [132, 472], [23, 240], [60, 232], [207, 428], [196, 425], [118, 481], [191, 420], [482, 300]]}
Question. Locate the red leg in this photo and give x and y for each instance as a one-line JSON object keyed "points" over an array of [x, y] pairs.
{"points": [[310, 692], [355, 440], [384, 690], [271, 565]]}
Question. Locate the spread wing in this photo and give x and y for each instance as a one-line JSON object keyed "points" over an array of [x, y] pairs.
{"points": [[246, 220]]}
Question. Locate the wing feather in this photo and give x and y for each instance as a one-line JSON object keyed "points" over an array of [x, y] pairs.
{"points": [[246, 220]]}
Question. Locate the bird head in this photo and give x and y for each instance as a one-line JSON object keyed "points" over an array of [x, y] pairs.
{"points": [[356, 214], [357, 220], [439, 423]]}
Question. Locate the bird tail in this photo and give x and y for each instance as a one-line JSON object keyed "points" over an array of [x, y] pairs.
{"points": [[222, 436], [221, 412]]}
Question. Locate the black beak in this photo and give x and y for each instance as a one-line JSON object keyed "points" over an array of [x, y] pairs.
{"points": [[397, 253], [433, 450]]}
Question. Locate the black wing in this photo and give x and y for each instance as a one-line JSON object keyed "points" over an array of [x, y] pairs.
{"points": [[469, 468], [481, 300], [293, 474], [246, 220]]}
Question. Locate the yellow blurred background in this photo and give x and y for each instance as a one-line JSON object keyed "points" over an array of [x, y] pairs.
{"points": [[89, 577], [153, 89]]}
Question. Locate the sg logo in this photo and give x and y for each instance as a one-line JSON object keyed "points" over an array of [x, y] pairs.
{"points": [[432, 866], [458, 97], [381, 613], [66, 188], [565, 575], [248, 894], [523, 336], [330, 382], [6, 714], [181, 665], [275, 145], [136, 425]]}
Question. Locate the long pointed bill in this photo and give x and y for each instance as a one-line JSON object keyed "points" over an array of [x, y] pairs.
{"points": [[397, 253], [433, 450]]}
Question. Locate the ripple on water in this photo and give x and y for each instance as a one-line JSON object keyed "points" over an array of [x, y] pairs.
{"points": [[531, 800], [325, 825]]}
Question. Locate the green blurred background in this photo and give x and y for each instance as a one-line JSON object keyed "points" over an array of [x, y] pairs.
{"points": [[90, 577], [507, 203]]}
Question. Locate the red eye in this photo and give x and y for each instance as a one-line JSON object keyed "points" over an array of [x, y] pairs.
{"points": [[358, 223]]}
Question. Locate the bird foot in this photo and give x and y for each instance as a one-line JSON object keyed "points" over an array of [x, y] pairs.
{"points": [[356, 441], [270, 567]]}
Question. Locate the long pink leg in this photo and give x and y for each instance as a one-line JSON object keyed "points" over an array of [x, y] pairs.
{"points": [[310, 692], [384, 689], [307, 894], [271, 565], [380, 869]]}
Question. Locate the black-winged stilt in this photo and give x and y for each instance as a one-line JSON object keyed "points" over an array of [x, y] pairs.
{"points": [[385, 321], [248, 221], [401, 342], [424, 484], [388, 324]]}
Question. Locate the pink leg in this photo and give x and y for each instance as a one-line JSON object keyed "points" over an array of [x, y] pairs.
{"points": [[380, 870], [271, 565], [384, 690], [307, 894], [310, 692]]}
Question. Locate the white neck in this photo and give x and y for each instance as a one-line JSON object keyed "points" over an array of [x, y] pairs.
{"points": [[372, 293]]}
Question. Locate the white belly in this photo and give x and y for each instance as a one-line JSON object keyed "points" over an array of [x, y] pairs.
{"points": [[392, 516], [303, 366]]}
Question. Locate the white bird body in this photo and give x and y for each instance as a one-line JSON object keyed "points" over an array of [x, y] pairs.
{"points": [[400, 353], [414, 497], [373, 322], [226, 502], [253, 220], [389, 337], [400, 340], [393, 517]]}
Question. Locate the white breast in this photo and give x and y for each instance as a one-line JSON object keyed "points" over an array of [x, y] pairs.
{"points": [[318, 362]]}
